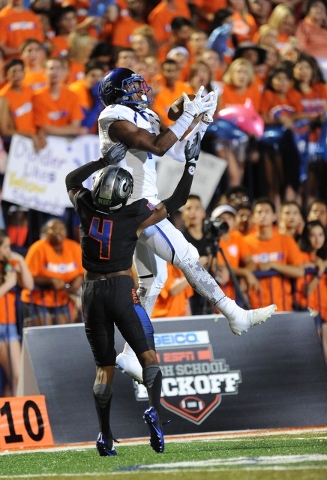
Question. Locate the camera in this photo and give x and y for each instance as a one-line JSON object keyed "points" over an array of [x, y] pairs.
{"points": [[213, 229]]}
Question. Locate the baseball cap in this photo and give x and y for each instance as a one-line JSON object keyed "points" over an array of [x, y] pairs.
{"points": [[222, 209]]}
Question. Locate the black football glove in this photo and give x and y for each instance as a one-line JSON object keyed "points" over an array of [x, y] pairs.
{"points": [[192, 150], [115, 154]]}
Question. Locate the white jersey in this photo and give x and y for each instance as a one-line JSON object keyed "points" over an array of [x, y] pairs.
{"points": [[141, 165]]}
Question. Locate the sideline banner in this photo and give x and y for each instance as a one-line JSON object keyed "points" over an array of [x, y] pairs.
{"points": [[37, 180], [274, 376]]}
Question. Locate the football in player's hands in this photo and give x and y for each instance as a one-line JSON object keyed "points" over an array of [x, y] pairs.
{"points": [[177, 108]]}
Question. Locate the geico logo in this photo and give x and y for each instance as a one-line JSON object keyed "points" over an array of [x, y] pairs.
{"points": [[176, 339], [200, 384]]}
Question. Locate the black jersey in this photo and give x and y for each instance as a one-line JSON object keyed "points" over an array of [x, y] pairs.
{"points": [[108, 240]]}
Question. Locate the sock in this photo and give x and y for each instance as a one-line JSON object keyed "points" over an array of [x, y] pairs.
{"points": [[102, 394], [152, 379]]}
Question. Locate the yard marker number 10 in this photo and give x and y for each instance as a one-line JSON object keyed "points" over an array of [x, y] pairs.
{"points": [[24, 422]]}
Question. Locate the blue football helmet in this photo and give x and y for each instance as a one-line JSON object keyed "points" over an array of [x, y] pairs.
{"points": [[123, 86], [112, 186]]}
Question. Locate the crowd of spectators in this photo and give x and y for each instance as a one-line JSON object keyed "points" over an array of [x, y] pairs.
{"points": [[53, 54]]}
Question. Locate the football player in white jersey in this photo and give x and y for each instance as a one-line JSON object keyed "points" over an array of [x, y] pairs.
{"points": [[128, 119]]}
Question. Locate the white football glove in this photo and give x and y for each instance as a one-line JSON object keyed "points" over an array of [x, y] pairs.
{"points": [[194, 107], [209, 114]]}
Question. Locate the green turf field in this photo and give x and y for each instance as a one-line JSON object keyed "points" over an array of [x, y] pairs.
{"points": [[300, 455]]}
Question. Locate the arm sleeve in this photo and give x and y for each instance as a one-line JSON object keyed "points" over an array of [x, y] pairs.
{"points": [[182, 191], [75, 178]]}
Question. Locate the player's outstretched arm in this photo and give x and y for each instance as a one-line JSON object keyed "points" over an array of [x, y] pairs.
{"points": [[182, 191], [75, 179], [143, 140]]}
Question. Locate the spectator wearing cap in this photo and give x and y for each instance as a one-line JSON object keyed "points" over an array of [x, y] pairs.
{"points": [[16, 101], [18, 23], [236, 252], [181, 56]]}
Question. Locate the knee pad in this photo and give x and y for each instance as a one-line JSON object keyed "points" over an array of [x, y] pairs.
{"points": [[149, 375], [103, 392]]}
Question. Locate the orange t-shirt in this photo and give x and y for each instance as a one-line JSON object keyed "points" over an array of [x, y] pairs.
{"points": [[318, 298], [276, 289], [244, 27], [35, 80], [7, 304], [59, 112], [235, 250], [122, 31], [76, 72], [168, 306], [274, 105], [21, 107], [230, 96], [162, 15], [15, 27], [59, 45], [165, 97], [43, 261]]}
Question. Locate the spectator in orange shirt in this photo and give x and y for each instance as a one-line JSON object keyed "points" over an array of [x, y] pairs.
{"points": [[260, 10], [318, 211], [203, 12], [281, 106], [126, 58], [34, 56], [200, 74], [243, 219], [87, 93], [181, 56], [16, 102], [197, 44], [244, 24], [282, 18], [55, 262], [271, 250], [13, 271], [173, 300], [80, 46], [238, 86], [181, 29], [291, 221], [143, 42], [56, 108], [64, 22], [311, 32], [3, 80], [211, 58], [125, 25], [171, 89], [236, 252], [161, 16], [16, 24], [311, 291]]}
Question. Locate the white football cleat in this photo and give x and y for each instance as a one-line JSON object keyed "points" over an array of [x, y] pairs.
{"points": [[250, 318], [130, 365]]}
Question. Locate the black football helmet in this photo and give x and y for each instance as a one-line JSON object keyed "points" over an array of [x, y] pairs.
{"points": [[112, 186], [123, 86]]}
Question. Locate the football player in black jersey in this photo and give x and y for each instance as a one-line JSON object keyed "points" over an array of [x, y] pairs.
{"points": [[108, 233]]}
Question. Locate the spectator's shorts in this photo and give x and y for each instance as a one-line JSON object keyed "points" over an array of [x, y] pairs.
{"points": [[9, 333]]}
